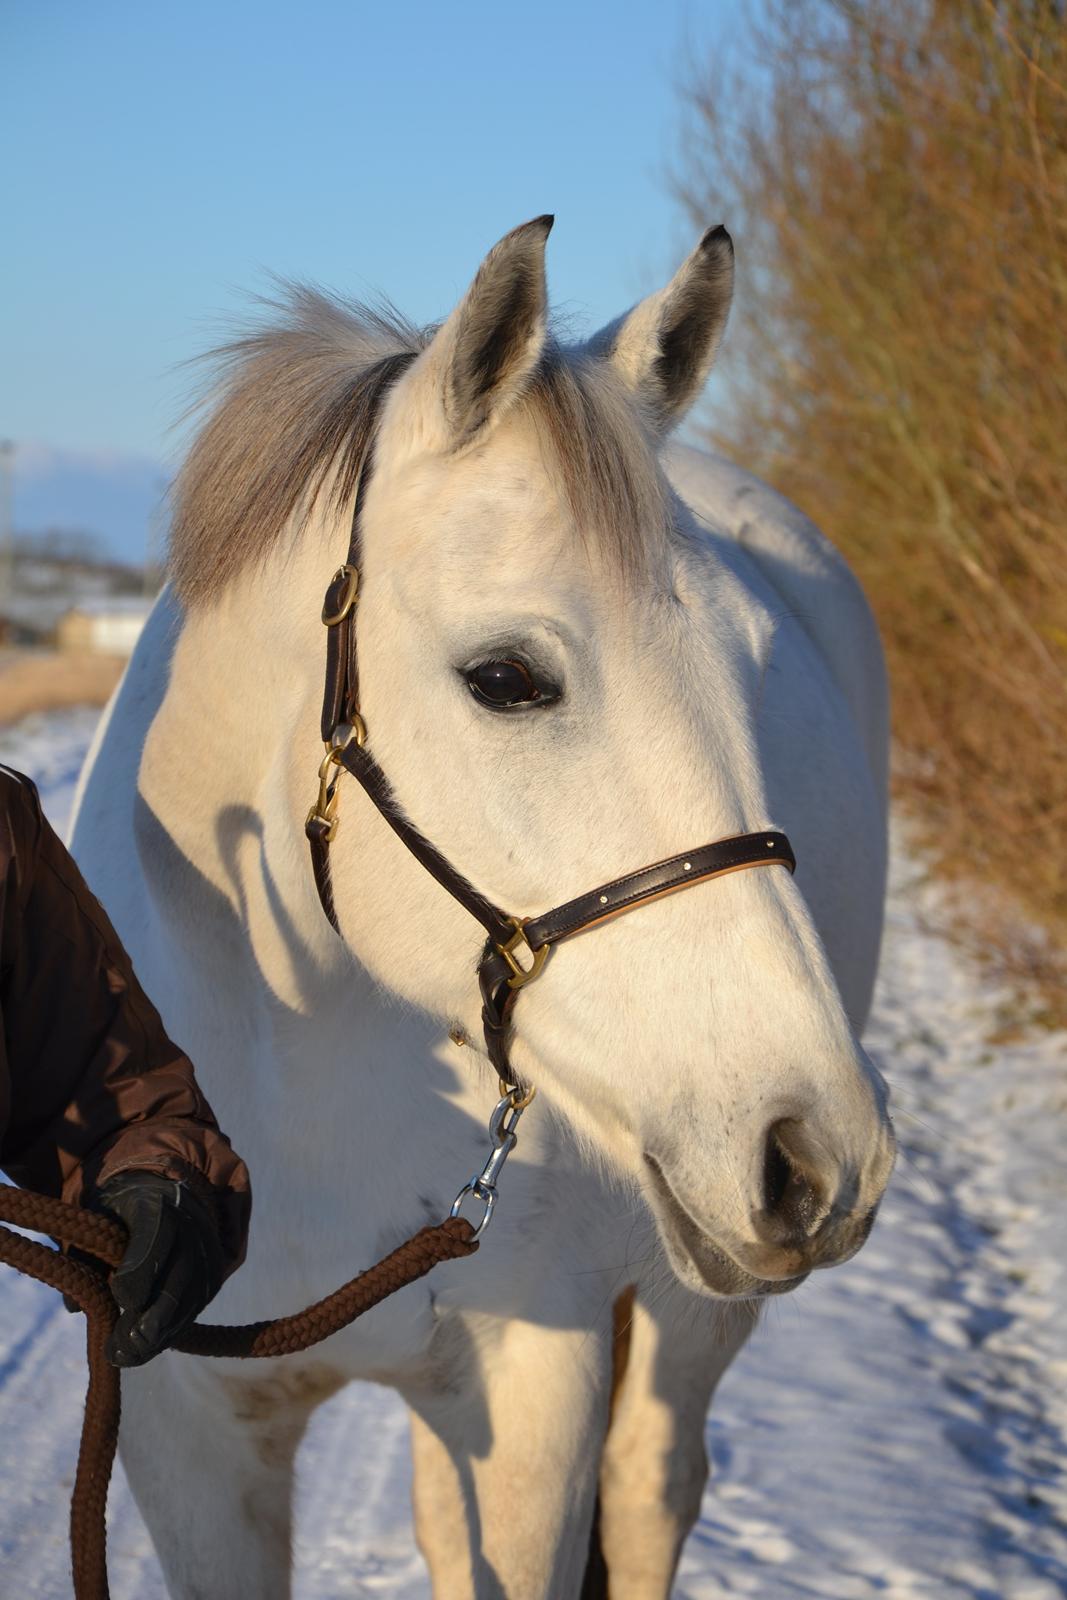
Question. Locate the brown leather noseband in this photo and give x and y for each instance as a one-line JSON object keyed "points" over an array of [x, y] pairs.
{"points": [[501, 973]]}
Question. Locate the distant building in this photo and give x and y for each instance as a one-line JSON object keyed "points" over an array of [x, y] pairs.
{"points": [[31, 619], [108, 625]]}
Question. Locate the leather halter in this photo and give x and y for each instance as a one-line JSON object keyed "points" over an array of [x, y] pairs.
{"points": [[501, 973]]}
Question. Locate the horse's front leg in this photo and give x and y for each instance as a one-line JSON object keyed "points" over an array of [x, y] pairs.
{"points": [[667, 1364], [506, 1436], [208, 1451]]}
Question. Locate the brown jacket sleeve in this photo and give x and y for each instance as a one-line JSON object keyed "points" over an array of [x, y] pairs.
{"points": [[90, 1085]]}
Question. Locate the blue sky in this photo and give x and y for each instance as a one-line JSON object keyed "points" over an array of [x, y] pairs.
{"points": [[162, 158]]}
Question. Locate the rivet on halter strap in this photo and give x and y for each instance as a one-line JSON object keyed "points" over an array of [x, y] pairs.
{"points": [[501, 972]]}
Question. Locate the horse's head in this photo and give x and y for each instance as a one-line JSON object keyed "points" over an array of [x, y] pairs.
{"points": [[563, 683]]}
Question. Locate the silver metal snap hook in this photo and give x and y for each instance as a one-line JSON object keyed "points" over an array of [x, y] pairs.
{"points": [[502, 1125]]}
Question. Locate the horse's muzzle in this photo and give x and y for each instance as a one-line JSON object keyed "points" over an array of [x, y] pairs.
{"points": [[809, 1213]]}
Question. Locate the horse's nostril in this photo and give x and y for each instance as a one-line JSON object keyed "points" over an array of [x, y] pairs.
{"points": [[776, 1174], [792, 1201]]}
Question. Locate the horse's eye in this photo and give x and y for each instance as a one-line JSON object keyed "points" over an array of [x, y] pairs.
{"points": [[500, 684]]}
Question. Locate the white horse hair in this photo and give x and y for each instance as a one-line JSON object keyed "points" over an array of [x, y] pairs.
{"points": [[710, 668]]}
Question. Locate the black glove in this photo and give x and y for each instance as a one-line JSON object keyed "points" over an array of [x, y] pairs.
{"points": [[173, 1264]]}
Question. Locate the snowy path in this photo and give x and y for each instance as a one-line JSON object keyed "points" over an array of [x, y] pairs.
{"points": [[895, 1431]]}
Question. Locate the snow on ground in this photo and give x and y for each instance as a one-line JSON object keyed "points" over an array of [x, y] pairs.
{"points": [[895, 1430]]}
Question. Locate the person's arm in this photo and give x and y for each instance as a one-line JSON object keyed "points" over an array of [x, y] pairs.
{"points": [[104, 1108]]}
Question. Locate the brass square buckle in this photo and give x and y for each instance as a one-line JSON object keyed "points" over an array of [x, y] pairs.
{"points": [[519, 974]]}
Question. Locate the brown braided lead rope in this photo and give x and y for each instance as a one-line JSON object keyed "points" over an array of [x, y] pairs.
{"points": [[106, 1240]]}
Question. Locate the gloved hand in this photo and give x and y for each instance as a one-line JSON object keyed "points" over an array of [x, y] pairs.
{"points": [[172, 1267]]}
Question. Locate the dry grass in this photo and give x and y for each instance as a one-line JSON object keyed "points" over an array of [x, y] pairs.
{"points": [[895, 173], [38, 680]]}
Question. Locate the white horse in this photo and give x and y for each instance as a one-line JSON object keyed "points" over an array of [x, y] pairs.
{"points": [[694, 661]]}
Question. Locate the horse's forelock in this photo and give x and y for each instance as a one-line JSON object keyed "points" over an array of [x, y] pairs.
{"points": [[288, 402]]}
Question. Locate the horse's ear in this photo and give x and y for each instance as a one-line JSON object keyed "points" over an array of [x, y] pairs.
{"points": [[664, 348], [481, 359]]}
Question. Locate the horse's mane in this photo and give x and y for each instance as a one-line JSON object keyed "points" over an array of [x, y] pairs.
{"points": [[294, 397]]}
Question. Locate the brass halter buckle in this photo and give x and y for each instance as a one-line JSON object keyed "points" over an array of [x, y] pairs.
{"points": [[336, 610], [521, 975]]}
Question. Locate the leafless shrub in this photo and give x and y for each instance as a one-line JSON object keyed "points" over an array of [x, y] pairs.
{"points": [[895, 173]]}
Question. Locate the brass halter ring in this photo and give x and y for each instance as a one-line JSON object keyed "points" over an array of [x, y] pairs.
{"points": [[514, 1095], [346, 733]]}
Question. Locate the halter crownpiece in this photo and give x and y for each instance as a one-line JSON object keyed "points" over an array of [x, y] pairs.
{"points": [[516, 947]]}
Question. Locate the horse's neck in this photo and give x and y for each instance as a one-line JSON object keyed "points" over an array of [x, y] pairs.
{"points": [[217, 798]]}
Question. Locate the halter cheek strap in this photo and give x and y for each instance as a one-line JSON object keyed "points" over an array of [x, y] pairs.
{"points": [[516, 948]]}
